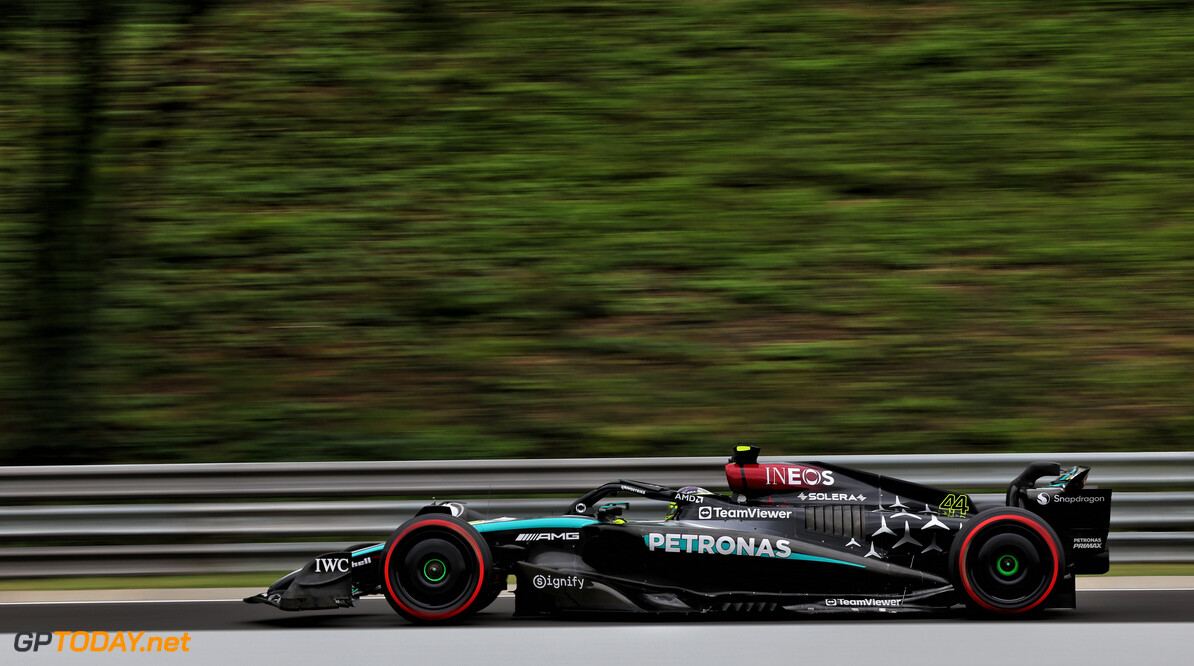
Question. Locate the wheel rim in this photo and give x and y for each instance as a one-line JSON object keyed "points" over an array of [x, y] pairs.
{"points": [[1011, 567], [433, 571]]}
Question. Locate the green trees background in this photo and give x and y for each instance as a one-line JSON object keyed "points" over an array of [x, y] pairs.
{"points": [[249, 230]]}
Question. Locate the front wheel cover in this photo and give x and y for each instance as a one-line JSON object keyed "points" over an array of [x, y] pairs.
{"points": [[435, 569], [1006, 561]]}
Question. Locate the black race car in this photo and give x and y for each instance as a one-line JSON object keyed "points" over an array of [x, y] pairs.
{"points": [[793, 537]]}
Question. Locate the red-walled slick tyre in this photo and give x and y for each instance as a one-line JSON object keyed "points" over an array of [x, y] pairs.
{"points": [[1006, 562], [435, 569]]}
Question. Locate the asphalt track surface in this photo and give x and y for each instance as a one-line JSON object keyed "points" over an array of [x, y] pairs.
{"points": [[1094, 607], [1113, 627]]}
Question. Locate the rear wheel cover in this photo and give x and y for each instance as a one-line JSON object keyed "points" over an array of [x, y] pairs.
{"points": [[434, 569], [1007, 561]]}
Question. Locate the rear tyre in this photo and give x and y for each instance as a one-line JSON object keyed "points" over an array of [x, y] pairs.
{"points": [[1006, 562], [435, 569]]}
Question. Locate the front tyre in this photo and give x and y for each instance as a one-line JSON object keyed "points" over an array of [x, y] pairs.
{"points": [[435, 569], [1006, 561]]}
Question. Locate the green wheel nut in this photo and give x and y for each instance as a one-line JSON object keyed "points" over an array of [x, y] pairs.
{"points": [[434, 570], [1008, 565]]}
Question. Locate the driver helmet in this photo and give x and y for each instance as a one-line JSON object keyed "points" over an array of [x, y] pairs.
{"points": [[673, 508]]}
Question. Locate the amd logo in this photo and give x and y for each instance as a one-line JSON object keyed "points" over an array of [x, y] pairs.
{"points": [[331, 564], [549, 536]]}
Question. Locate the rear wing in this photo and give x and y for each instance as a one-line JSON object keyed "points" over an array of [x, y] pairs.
{"points": [[1081, 516]]}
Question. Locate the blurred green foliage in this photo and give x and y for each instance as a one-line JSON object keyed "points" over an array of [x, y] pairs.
{"points": [[386, 229]]}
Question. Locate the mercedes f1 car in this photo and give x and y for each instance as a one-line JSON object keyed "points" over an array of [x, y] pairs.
{"points": [[789, 538]]}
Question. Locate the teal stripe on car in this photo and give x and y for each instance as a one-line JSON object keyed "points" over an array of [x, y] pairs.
{"points": [[370, 549], [533, 524], [814, 558]]}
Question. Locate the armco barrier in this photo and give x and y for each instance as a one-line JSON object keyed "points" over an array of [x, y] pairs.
{"points": [[177, 519]]}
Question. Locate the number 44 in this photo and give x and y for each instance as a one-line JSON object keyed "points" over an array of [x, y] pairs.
{"points": [[955, 506]]}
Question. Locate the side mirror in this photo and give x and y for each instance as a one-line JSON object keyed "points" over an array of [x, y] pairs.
{"points": [[608, 513]]}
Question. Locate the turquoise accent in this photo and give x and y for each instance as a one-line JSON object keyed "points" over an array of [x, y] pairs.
{"points": [[814, 558], [504, 525], [532, 524]]}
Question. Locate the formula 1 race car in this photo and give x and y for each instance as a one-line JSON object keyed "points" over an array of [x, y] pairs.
{"points": [[791, 538]]}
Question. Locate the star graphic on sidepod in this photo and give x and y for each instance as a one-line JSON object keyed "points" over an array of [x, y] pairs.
{"points": [[932, 545], [935, 522], [905, 513], [884, 529], [907, 538]]}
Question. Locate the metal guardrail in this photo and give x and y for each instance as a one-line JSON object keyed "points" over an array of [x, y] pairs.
{"points": [[175, 519], [1122, 471]]}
